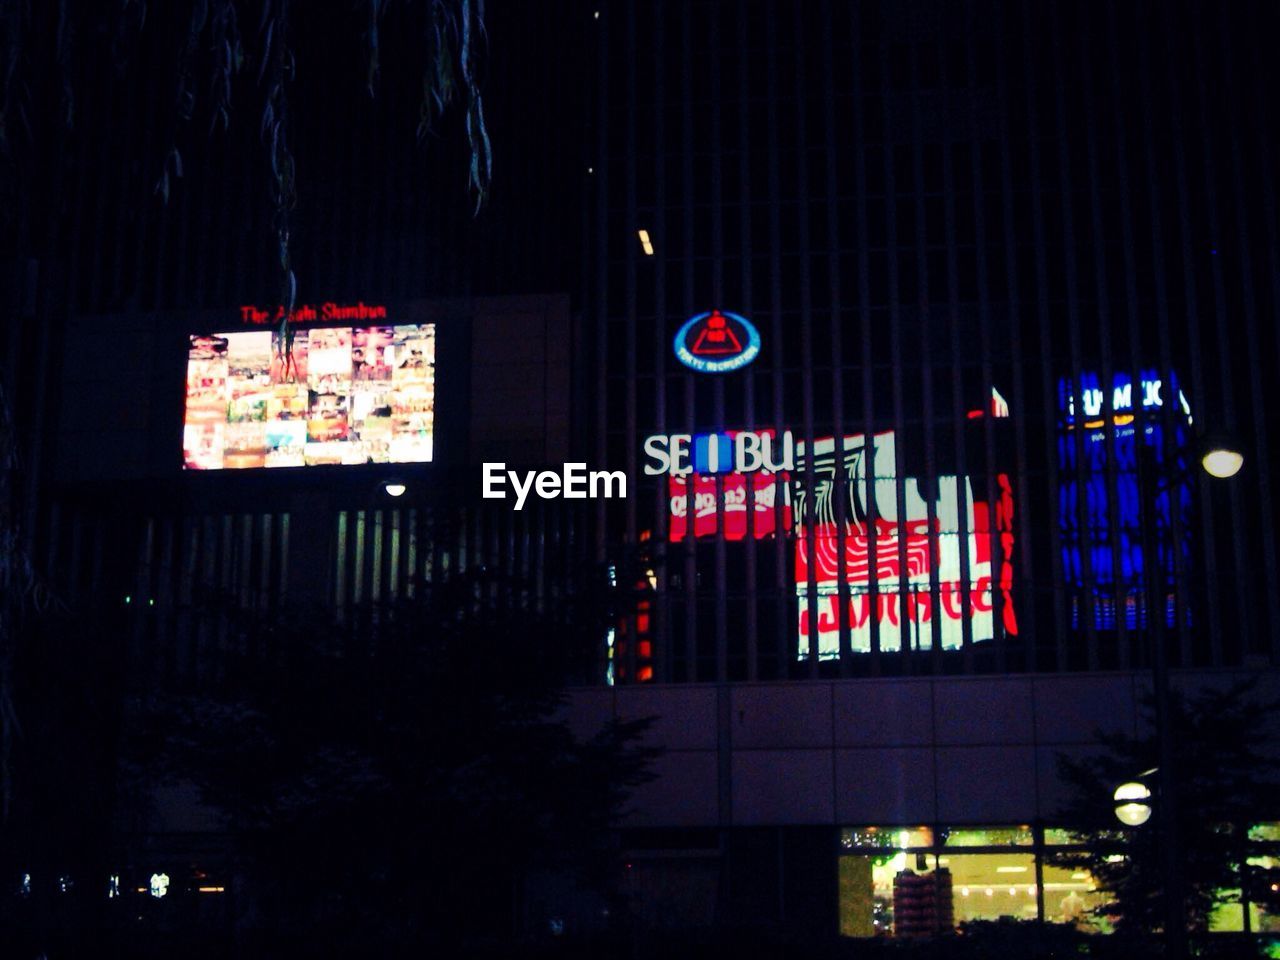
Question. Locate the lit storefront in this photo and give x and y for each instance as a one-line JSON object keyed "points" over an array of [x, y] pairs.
{"points": [[929, 881], [919, 881]]}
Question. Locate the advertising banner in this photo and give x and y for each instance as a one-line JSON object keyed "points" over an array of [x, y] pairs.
{"points": [[966, 548]]}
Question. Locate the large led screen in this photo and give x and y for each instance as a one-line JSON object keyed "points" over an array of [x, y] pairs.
{"points": [[339, 395], [961, 549]]}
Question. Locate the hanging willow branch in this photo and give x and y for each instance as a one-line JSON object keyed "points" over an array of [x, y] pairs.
{"points": [[276, 70], [15, 22], [372, 59], [184, 98], [228, 58], [455, 37], [454, 44]]}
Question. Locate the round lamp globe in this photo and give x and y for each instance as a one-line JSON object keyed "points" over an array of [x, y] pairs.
{"points": [[1222, 462], [1131, 799], [1133, 814]]}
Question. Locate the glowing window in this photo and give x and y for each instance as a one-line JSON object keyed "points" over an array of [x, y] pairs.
{"points": [[990, 837]]}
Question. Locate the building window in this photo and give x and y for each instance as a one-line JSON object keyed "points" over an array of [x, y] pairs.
{"points": [[926, 881], [990, 837], [993, 886], [1071, 895]]}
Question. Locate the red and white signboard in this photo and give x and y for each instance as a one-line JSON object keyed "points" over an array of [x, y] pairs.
{"points": [[759, 497], [940, 554], [767, 491]]}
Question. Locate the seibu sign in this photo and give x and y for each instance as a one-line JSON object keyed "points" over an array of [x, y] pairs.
{"points": [[744, 451], [724, 481]]}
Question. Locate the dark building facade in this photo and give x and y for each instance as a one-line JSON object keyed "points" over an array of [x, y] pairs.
{"points": [[992, 234], [1008, 264]]}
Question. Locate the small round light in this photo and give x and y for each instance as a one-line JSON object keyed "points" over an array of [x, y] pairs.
{"points": [[1132, 791], [1131, 799], [1222, 462], [394, 489], [1133, 814]]}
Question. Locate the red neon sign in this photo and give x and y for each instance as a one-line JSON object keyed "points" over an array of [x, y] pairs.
{"points": [[716, 338], [307, 313], [767, 489]]}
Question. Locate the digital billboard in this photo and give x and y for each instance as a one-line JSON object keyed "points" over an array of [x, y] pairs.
{"points": [[966, 548], [335, 395]]}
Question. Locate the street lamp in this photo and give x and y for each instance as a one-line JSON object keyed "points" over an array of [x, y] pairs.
{"points": [[1219, 458], [1132, 803]]}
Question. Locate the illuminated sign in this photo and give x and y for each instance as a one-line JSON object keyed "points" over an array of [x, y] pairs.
{"points": [[742, 451], [708, 513], [718, 480], [1150, 389], [717, 342], [966, 549], [1103, 560], [942, 570], [306, 313], [340, 395]]}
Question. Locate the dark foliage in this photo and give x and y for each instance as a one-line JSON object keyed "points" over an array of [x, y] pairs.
{"points": [[395, 782], [226, 62], [1224, 783]]}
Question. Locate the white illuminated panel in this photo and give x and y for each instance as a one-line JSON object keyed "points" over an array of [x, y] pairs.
{"points": [[933, 547]]}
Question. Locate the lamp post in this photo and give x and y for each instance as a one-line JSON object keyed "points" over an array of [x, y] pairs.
{"points": [[1133, 808], [1219, 458]]}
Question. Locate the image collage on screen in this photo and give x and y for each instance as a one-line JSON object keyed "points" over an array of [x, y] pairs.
{"points": [[341, 395]]}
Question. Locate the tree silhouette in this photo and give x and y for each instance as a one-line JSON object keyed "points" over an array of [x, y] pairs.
{"points": [[401, 792], [1225, 783]]}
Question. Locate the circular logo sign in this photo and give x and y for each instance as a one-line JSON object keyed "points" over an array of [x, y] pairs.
{"points": [[717, 342]]}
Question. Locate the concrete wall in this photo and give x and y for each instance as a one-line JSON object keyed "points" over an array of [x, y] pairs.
{"points": [[894, 751]]}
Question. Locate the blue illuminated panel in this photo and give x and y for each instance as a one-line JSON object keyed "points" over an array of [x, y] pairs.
{"points": [[1086, 494]]}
